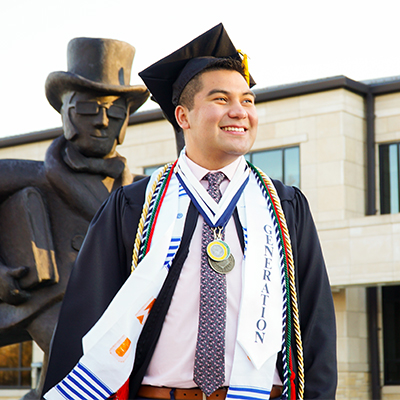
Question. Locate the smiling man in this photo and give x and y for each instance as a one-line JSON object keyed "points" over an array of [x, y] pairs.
{"points": [[221, 125], [207, 279]]}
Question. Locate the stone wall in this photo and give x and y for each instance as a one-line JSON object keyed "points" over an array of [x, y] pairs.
{"points": [[354, 377]]}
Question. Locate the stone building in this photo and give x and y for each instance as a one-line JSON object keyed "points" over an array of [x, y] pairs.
{"points": [[339, 141]]}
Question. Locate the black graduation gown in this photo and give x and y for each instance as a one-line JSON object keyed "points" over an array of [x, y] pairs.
{"points": [[104, 263]]}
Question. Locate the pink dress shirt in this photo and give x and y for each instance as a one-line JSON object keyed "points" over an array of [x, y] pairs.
{"points": [[173, 359]]}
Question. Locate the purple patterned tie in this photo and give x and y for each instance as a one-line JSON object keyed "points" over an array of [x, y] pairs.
{"points": [[209, 363]]}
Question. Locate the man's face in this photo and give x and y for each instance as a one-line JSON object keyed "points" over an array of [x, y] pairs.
{"points": [[222, 125], [97, 121]]}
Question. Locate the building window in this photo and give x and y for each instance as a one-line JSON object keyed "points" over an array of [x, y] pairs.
{"points": [[391, 334], [282, 164], [389, 177], [15, 366]]}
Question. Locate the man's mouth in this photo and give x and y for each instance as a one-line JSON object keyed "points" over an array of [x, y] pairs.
{"points": [[233, 128]]}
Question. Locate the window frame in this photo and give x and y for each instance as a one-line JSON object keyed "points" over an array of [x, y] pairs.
{"points": [[385, 189], [249, 157], [20, 369]]}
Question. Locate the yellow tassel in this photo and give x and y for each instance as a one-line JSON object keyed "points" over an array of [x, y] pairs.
{"points": [[245, 64]]}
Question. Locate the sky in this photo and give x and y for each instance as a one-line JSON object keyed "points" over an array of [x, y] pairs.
{"points": [[287, 41]]}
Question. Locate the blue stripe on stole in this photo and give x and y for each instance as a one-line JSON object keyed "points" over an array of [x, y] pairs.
{"points": [[246, 242], [71, 389], [182, 191], [168, 263], [238, 396], [95, 379], [83, 379], [249, 389], [173, 247], [63, 392], [81, 387]]}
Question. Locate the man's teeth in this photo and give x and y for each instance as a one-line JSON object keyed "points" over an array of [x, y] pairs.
{"points": [[231, 128]]}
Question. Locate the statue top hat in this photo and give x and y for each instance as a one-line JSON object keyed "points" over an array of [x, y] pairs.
{"points": [[99, 65]]}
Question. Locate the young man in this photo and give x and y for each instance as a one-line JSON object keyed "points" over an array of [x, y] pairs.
{"points": [[227, 294]]}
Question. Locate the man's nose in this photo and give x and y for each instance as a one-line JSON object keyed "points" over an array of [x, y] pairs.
{"points": [[101, 120], [237, 110]]}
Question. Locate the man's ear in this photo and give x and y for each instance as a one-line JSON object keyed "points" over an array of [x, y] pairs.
{"points": [[181, 116]]}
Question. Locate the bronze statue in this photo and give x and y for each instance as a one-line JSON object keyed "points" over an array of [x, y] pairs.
{"points": [[46, 207]]}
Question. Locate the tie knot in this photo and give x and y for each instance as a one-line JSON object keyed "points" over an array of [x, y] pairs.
{"points": [[214, 181]]}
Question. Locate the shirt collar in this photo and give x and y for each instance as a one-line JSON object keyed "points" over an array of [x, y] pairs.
{"points": [[200, 172]]}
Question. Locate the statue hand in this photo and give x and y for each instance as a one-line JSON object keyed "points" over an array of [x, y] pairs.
{"points": [[10, 292]]}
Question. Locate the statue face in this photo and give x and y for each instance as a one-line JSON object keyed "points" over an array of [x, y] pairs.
{"points": [[95, 123]]}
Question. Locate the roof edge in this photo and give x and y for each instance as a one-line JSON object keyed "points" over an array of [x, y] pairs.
{"points": [[308, 87], [262, 95], [26, 138]]}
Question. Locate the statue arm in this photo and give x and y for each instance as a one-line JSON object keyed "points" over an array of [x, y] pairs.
{"points": [[18, 174], [15, 175]]}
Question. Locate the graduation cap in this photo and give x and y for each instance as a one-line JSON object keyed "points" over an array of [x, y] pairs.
{"points": [[167, 78]]}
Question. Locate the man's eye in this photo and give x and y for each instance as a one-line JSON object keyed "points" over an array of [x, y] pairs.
{"points": [[248, 101]]}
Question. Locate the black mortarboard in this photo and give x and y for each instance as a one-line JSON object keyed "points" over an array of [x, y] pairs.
{"points": [[168, 77]]}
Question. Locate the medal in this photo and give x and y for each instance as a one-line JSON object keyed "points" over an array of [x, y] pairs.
{"points": [[222, 267], [219, 254], [218, 250]]}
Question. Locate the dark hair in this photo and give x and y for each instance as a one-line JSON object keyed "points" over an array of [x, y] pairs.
{"points": [[195, 85]]}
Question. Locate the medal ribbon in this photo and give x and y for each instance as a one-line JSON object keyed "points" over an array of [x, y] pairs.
{"points": [[215, 214]]}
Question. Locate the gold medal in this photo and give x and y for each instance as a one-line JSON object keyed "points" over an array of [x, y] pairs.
{"points": [[222, 267], [219, 254], [218, 250]]}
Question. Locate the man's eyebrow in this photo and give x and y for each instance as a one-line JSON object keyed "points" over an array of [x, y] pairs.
{"points": [[214, 91], [250, 93]]}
